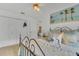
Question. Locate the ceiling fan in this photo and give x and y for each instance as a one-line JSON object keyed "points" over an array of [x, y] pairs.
{"points": [[36, 7]]}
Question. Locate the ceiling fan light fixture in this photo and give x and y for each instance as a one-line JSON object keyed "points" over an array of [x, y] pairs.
{"points": [[36, 6]]}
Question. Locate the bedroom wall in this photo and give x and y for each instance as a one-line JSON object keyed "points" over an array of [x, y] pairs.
{"points": [[11, 22]]}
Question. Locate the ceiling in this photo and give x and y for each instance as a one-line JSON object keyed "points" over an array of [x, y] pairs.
{"points": [[45, 10]]}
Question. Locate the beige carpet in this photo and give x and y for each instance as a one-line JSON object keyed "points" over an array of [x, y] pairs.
{"points": [[9, 50]]}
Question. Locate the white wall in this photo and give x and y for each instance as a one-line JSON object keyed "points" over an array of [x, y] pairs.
{"points": [[11, 28]]}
